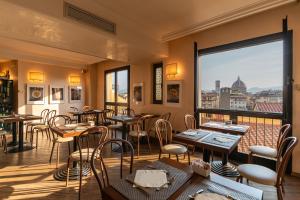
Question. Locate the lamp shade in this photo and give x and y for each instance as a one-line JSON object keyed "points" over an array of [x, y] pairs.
{"points": [[36, 76], [74, 79], [171, 69]]}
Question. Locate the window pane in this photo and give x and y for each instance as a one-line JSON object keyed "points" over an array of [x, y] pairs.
{"points": [[110, 87], [249, 78], [122, 86]]}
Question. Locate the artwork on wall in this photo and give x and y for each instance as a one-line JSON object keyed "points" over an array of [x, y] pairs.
{"points": [[173, 93], [138, 93], [35, 94], [75, 94], [56, 94]]}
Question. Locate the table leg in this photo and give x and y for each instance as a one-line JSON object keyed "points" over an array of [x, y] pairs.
{"points": [[21, 139], [14, 132], [206, 155], [97, 119], [79, 118], [224, 168]]}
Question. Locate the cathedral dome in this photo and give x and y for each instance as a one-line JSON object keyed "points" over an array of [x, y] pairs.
{"points": [[239, 86]]}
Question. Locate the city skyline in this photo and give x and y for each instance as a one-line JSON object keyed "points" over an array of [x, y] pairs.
{"points": [[258, 66]]}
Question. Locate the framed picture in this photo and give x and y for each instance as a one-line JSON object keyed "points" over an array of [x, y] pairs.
{"points": [[56, 94], [173, 93], [35, 94], [138, 93], [75, 94]]}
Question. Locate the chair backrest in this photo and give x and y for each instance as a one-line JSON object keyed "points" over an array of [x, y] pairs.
{"points": [[86, 136], [44, 114], [139, 124], [166, 116], [285, 151], [283, 132], [86, 108], [50, 114], [189, 121], [128, 112], [58, 120], [98, 164], [163, 131]]}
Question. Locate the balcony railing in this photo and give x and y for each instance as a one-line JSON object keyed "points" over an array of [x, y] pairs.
{"points": [[264, 127]]}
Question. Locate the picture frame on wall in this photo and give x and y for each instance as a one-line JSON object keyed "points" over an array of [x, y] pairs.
{"points": [[173, 93], [75, 94], [35, 94], [138, 93], [56, 94]]}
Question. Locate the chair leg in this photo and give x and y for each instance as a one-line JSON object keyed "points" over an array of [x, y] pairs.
{"points": [[189, 157], [159, 156], [138, 147], [177, 158], [37, 138], [68, 172], [52, 150], [169, 155], [149, 143], [279, 193], [5, 143], [80, 180], [250, 158], [57, 155], [69, 147]]}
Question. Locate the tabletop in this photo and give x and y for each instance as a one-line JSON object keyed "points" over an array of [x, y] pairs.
{"points": [[18, 118], [85, 112], [193, 183], [226, 128], [71, 130], [127, 119], [208, 139]]}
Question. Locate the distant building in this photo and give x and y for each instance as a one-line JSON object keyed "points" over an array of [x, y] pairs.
{"points": [[268, 107], [238, 101], [239, 86], [225, 98], [272, 96], [218, 86], [209, 100]]}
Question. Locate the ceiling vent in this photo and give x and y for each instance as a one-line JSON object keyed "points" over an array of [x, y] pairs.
{"points": [[75, 13]]}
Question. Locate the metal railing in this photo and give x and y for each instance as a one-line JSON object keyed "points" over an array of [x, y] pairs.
{"points": [[264, 127]]}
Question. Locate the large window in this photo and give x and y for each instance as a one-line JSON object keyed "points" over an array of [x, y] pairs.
{"points": [[245, 78], [157, 83], [117, 89]]}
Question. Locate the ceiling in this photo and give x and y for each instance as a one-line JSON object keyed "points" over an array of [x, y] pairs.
{"points": [[37, 30]]}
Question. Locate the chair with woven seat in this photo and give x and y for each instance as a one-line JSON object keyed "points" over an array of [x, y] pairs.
{"points": [[190, 124], [266, 176], [268, 151], [84, 152], [42, 128], [138, 131], [29, 125], [99, 167], [55, 122], [164, 132]]}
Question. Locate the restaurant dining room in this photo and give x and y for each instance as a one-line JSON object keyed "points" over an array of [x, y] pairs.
{"points": [[150, 100]]}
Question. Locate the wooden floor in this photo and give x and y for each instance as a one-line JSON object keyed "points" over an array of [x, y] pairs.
{"points": [[28, 175]]}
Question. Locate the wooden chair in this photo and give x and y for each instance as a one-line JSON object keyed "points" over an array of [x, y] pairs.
{"points": [[112, 126], [99, 167], [3, 134], [84, 153], [268, 151], [128, 112], [266, 176], [42, 128], [165, 116], [55, 122], [164, 132], [30, 125], [190, 124], [138, 131]]}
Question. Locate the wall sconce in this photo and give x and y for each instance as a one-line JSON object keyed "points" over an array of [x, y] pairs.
{"points": [[36, 76], [74, 80], [171, 70]]}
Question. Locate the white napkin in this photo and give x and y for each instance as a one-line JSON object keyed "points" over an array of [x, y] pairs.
{"points": [[223, 139], [190, 132], [150, 178]]}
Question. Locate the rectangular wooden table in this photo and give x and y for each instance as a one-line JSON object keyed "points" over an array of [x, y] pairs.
{"points": [[235, 129], [79, 114], [209, 141], [188, 186], [18, 121]]}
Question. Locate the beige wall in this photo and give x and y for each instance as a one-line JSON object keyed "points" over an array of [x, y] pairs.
{"points": [[53, 75], [181, 51]]}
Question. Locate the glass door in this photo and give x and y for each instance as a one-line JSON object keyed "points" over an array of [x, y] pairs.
{"points": [[117, 89]]}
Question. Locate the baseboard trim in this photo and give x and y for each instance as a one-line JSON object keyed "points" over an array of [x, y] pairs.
{"points": [[296, 174]]}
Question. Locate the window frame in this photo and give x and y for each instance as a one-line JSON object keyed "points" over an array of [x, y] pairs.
{"points": [[154, 83]]}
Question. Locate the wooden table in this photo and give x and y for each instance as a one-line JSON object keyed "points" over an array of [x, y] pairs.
{"points": [[223, 168], [79, 114], [112, 193], [18, 120], [62, 131], [226, 128], [125, 120]]}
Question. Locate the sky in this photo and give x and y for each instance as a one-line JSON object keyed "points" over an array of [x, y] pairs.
{"points": [[258, 66]]}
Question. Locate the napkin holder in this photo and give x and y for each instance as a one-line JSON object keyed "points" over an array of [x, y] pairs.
{"points": [[202, 168]]}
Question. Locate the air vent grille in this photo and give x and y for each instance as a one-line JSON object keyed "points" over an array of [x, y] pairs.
{"points": [[85, 17]]}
